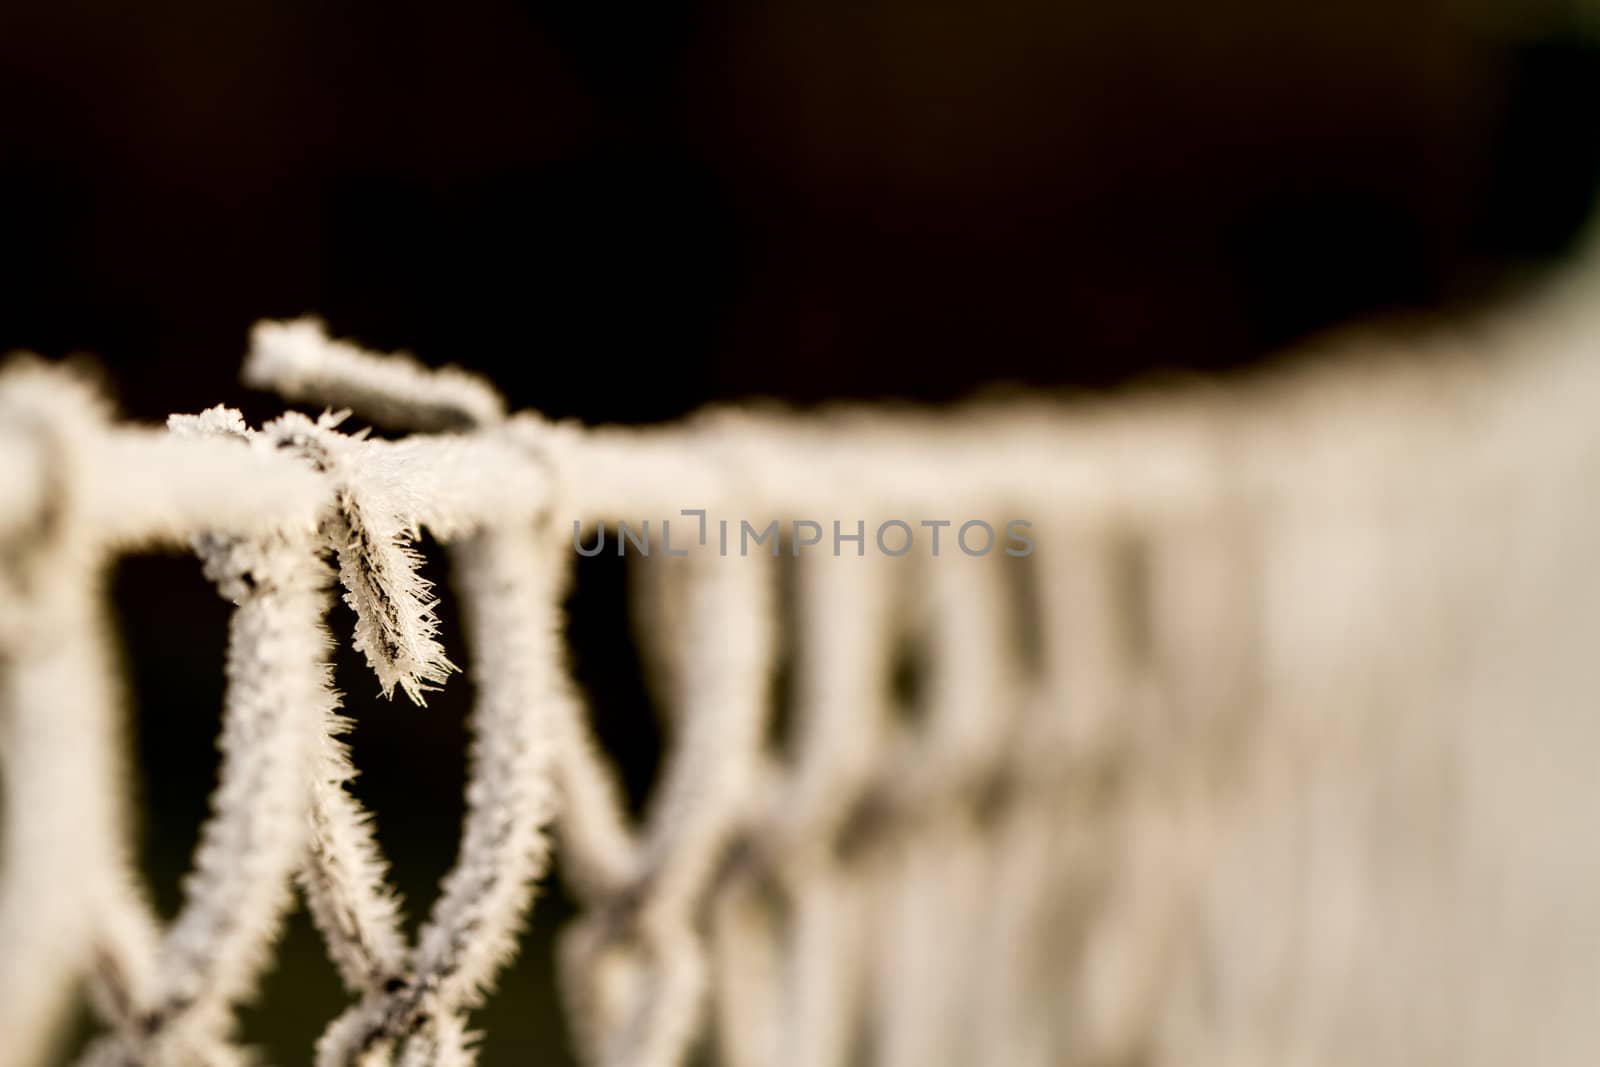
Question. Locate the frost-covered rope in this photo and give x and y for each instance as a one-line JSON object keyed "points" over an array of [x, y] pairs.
{"points": [[1061, 805], [65, 844], [642, 886], [790, 975], [459, 488], [1303, 728], [68, 902], [299, 361], [278, 691], [413, 1000]]}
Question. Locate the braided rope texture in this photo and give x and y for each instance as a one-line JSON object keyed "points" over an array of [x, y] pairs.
{"points": [[1279, 746]]}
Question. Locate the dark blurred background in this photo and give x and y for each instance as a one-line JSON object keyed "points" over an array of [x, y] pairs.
{"points": [[621, 212]]}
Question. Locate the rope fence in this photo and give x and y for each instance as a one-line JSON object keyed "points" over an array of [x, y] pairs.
{"points": [[1262, 730]]}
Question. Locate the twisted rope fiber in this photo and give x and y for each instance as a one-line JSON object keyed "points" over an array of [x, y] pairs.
{"points": [[1188, 806]]}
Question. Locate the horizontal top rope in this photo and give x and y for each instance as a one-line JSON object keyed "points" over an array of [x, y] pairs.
{"points": [[146, 485], [1332, 431], [132, 485]]}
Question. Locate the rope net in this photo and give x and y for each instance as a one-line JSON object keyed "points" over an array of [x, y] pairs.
{"points": [[1263, 734]]}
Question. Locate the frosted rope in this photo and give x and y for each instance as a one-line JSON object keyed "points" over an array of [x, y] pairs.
{"points": [[796, 961], [412, 999], [238, 891], [167, 994], [633, 965], [1259, 679], [300, 362], [641, 887]]}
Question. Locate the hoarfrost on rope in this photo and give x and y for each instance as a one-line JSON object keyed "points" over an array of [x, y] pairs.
{"points": [[1289, 716]]}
